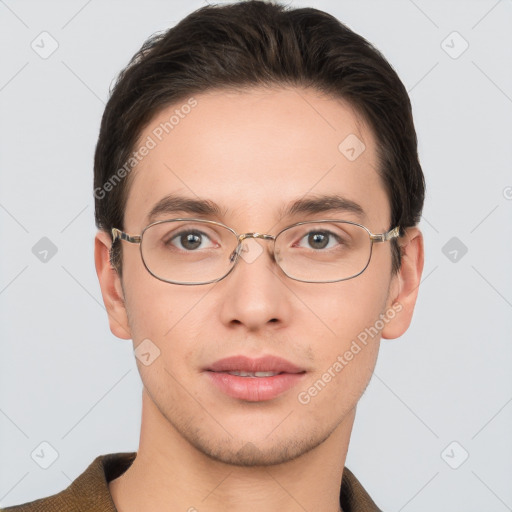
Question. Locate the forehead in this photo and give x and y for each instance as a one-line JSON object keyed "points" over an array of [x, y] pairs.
{"points": [[253, 153]]}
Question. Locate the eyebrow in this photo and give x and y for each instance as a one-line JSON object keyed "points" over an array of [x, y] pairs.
{"points": [[322, 204], [172, 204]]}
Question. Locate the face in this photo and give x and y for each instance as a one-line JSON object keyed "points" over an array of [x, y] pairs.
{"points": [[254, 153]]}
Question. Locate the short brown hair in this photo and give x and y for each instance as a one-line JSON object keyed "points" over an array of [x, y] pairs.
{"points": [[253, 43]]}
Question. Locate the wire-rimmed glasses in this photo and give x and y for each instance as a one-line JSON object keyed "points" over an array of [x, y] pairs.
{"points": [[190, 251]]}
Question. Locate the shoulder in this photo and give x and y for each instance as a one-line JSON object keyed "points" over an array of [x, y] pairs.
{"points": [[57, 502], [353, 496], [88, 492]]}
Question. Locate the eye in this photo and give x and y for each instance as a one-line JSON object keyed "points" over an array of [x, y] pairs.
{"points": [[190, 240], [320, 239]]}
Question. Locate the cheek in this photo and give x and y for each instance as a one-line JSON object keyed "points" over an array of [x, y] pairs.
{"points": [[165, 324], [165, 313], [149, 302], [167, 319], [349, 307], [347, 348], [345, 332]]}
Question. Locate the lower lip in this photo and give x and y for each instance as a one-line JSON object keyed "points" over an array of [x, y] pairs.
{"points": [[254, 389]]}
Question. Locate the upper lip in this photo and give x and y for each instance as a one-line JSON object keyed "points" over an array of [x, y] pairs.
{"points": [[248, 364]]}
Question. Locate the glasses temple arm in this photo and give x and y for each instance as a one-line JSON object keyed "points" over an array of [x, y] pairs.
{"points": [[384, 237], [118, 234]]}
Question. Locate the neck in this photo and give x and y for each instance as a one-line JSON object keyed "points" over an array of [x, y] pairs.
{"points": [[171, 474]]}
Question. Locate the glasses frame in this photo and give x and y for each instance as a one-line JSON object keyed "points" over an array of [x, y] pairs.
{"points": [[117, 234]]}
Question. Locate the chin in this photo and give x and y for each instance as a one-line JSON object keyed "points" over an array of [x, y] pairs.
{"points": [[242, 450]]}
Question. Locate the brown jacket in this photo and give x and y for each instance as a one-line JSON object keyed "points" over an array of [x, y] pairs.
{"points": [[89, 491]]}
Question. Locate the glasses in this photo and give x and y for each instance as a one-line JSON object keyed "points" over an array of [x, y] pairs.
{"points": [[197, 251]]}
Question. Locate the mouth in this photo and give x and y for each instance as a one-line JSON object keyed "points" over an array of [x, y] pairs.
{"points": [[254, 380], [241, 373]]}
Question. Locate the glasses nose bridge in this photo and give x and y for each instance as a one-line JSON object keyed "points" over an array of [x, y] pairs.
{"points": [[263, 236], [246, 236]]}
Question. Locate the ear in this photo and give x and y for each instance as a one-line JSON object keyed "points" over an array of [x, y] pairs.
{"points": [[111, 289], [405, 284]]}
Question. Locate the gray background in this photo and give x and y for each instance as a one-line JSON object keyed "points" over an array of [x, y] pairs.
{"points": [[67, 381]]}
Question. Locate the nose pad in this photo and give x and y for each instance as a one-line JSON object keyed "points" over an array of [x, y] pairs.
{"points": [[276, 256], [250, 249], [236, 252]]}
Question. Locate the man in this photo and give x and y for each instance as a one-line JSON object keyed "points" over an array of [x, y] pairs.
{"points": [[257, 191]]}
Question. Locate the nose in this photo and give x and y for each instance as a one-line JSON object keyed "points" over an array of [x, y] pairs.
{"points": [[254, 294]]}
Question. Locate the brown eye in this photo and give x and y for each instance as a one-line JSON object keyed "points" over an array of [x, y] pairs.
{"points": [[188, 240], [319, 240]]}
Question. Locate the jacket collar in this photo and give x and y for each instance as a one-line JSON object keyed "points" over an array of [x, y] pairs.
{"points": [[90, 489]]}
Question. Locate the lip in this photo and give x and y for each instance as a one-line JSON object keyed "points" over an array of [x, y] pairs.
{"points": [[254, 389], [259, 364]]}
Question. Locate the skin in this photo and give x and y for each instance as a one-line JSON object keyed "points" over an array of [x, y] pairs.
{"points": [[252, 152]]}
